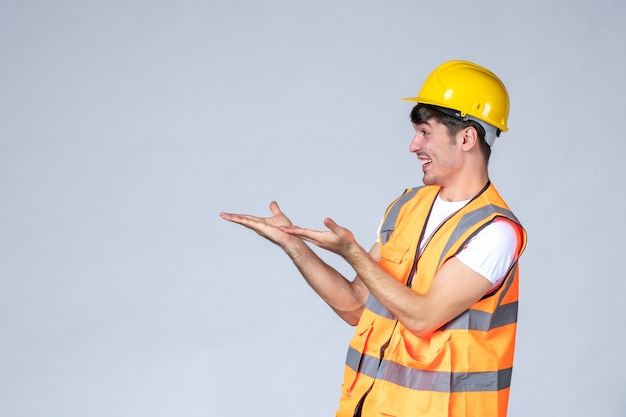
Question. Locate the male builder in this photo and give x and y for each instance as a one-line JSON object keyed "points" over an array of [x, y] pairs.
{"points": [[434, 301]]}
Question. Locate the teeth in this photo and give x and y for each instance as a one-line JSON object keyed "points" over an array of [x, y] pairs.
{"points": [[425, 161]]}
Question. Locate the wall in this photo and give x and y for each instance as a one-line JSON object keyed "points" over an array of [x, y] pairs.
{"points": [[126, 127]]}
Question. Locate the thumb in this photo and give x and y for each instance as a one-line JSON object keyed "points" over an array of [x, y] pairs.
{"points": [[330, 223], [274, 208]]}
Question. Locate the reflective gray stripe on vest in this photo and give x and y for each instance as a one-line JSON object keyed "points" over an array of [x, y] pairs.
{"points": [[440, 381], [363, 364], [482, 321], [417, 379], [472, 218], [389, 224], [374, 305], [508, 281]]}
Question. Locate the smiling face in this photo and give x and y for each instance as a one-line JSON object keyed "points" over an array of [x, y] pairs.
{"points": [[438, 152]]}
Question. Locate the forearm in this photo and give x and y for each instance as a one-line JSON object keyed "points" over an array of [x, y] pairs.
{"points": [[419, 313], [454, 289], [346, 298], [407, 306]]}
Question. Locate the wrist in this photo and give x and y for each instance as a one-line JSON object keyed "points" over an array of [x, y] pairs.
{"points": [[296, 248], [355, 253]]}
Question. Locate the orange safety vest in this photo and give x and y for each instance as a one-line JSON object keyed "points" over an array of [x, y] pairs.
{"points": [[462, 369]]}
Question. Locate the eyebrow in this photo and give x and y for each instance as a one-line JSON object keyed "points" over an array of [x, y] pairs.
{"points": [[422, 123]]}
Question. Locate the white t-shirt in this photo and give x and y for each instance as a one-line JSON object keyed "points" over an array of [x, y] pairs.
{"points": [[491, 252]]}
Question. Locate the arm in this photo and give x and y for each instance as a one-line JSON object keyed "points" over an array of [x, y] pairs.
{"points": [[455, 288], [346, 298]]}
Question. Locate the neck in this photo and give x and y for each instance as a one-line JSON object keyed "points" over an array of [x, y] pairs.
{"points": [[464, 190]]}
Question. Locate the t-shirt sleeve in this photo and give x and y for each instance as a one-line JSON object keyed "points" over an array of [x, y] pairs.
{"points": [[492, 251]]}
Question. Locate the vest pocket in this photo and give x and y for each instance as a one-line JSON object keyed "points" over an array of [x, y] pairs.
{"points": [[395, 251], [424, 353], [396, 258], [417, 378]]}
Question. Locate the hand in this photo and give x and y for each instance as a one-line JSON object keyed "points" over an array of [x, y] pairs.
{"points": [[268, 227], [337, 239]]}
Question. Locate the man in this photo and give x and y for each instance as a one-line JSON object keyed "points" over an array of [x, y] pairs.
{"points": [[435, 299]]}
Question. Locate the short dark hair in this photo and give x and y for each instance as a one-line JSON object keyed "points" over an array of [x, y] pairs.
{"points": [[423, 112]]}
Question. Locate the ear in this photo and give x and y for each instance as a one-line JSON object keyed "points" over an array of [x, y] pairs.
{"points": [[469, 139]]}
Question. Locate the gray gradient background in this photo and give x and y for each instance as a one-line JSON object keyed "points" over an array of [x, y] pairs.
{"points": [[127, 126]]}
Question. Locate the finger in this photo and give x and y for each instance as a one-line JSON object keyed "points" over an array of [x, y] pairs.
{"points": [[227, 216], [275, 209], [332, 226], [306, 234], [232, 217], [293, 230], [242, 219]]}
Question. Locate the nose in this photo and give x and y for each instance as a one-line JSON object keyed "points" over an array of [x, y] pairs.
{"points": [[416, 143]]}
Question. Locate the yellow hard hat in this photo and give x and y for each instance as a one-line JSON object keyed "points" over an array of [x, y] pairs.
{"points": [[469, 89]]}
